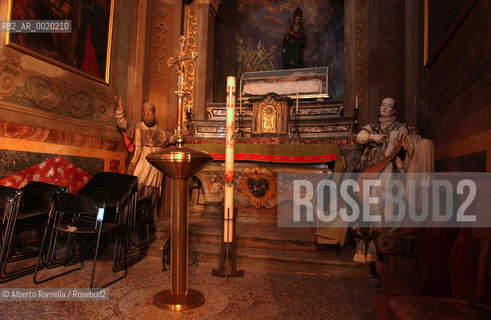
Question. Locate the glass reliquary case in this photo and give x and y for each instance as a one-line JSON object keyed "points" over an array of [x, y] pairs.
{"points": [[306, 83]]}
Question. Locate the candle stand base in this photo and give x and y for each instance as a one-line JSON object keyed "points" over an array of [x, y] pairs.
{"points": [[227, 270], [228, 256], [171, 301]]}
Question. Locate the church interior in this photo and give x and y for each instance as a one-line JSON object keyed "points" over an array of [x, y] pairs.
{"points": [[310, 76]]}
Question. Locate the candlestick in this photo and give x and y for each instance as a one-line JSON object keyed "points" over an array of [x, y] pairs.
{"points": [[296, 108], [229, 161], [180, 92], [327, 85]]}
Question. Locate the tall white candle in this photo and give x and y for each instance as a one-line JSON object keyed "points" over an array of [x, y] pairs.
{"points": [[356, 102], [229, 161]]}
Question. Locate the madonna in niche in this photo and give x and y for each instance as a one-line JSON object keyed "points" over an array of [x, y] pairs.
{"points": [[293, 43]]}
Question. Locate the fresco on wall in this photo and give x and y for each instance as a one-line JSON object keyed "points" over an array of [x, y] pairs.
{"points": [[249, 36]]}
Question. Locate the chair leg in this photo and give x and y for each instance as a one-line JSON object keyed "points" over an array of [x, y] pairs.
{"points": [[114, 259], [95, 256], [48, 255], [46, 230], [5, 246]]}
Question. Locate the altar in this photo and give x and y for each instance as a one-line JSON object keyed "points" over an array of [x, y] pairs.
{"points": [[284, 107], [260, 188], [257, 167], [285, 123]]}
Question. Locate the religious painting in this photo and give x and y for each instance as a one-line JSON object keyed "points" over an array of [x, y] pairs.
{"points": [[440, 27], [250, 36], [85, 50]]}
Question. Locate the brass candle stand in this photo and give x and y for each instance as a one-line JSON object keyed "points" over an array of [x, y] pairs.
{"points": [[179, 164]]}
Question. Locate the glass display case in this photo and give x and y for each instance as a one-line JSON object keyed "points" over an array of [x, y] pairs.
{"points": [[306, 83]]}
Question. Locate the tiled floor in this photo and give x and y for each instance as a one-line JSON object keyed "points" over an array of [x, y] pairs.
{"points": [[259, 295]]}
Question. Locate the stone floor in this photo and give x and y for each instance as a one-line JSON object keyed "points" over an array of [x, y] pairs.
{"points": [[259, 295]]}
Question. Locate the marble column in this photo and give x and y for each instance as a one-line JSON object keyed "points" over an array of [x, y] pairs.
{"points": [[202, 12]]}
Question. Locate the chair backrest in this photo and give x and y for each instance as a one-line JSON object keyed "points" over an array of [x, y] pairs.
{"points": [[9, 193], [39, 195], [69, 206], [9, 202], [117, 190]]}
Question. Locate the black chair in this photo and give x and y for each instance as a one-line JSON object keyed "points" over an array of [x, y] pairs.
{"points": [[135, 216], [75, 229], [27, 224], [9, 206]]}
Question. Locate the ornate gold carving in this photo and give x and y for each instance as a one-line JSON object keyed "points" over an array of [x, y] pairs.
{"points": [[361, 74], [259, 186], [160, 43], [269, 116], [36, 91], [269, 119], [9, 70], [192, 27], [53, 96]]}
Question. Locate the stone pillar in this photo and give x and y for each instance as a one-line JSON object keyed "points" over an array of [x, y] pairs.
{"points": [[200, 30], [413, 61], [380, 59], [136, 60], [156, 28], [350, 89], [360, 74]]}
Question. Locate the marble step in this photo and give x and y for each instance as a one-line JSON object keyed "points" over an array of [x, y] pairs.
{"points": [[251, 235], [267, 247], [325, 263]]}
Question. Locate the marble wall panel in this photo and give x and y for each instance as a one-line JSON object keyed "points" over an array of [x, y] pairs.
{"points": [[15, 161]]}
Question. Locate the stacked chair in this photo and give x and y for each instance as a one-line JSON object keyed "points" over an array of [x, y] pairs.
{"points": [[25, 215], [74, 234], [78, 230], [9, 206], [135, 215]]}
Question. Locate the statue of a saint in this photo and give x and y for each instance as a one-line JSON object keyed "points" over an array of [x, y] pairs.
{"points": [[293, 43], [147, 137]]}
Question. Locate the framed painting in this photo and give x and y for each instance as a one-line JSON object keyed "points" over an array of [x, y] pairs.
{"points": [[441, 19], [86, 50]]}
